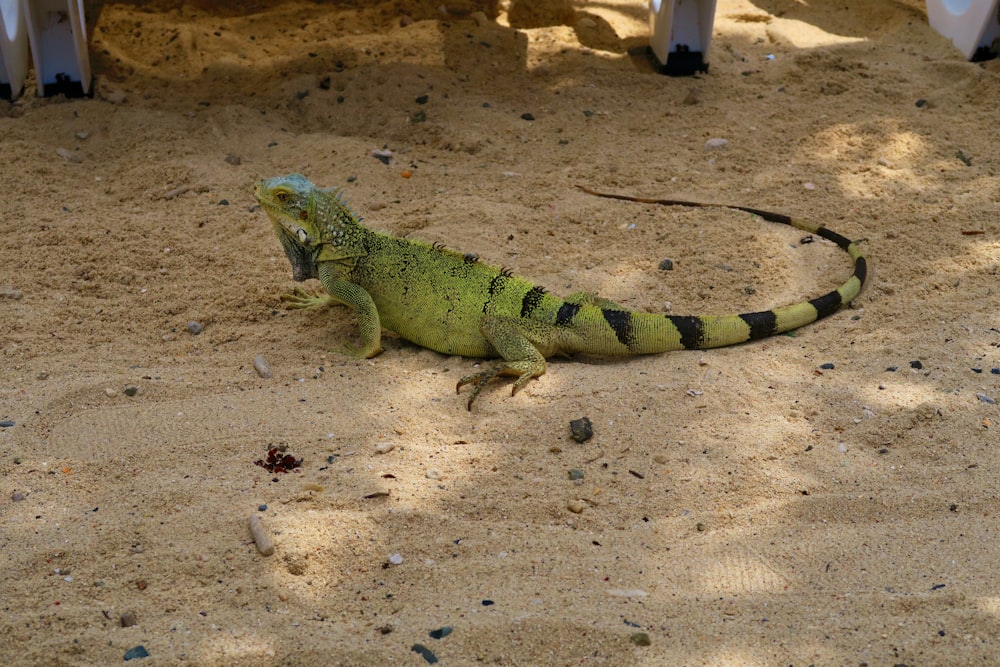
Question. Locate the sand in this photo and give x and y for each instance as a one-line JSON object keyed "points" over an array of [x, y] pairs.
{"points": [[827, 498]]}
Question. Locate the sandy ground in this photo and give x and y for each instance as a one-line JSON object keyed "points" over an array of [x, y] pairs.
{"points": [[741, 506]]}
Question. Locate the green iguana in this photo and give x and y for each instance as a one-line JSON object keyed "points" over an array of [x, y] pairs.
{"points": [[452, 303]]}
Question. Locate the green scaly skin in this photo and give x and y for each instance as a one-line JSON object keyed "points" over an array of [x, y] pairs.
{"points": [[454, 304]]}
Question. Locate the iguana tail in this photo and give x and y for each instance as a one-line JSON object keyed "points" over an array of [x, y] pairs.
{"points": [[643, 333]]}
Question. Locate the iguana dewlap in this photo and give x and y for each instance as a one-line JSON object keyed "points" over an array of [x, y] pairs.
{"points": [[455, 304]]}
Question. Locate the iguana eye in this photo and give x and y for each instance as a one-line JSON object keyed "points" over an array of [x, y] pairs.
{"points": [[283, 197]]}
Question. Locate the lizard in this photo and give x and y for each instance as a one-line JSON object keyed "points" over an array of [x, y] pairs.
{"points": [[455, 304]]}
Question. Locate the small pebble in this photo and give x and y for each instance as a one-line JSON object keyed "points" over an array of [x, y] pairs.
{"points": [[527, 116], [396, 559], [384, 447], [69, 155], [916, 364], [432, 473], [131, 390], [6, 423], [667, 265], [194, 328], [995, 371], [17, 496], [693, 97], [921, 103], [262, 507], [422, 99], [114, 96], [265, 545], [986, 399], [82, 135], [827, 366], [110, 393], [383, 155], [700, 527], [136, 652], [425, 653], [234, 160], [44, 375], [716, 143], [262, 367], [581, 429], [128, 619], [173, 193], [440, 633], [8, 292], [575, 474], [640, 639], [808, 185], [576, 506]]}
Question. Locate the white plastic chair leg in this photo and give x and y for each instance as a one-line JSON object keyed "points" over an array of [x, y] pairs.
{"points": [[57, 31], [680, 34], [971, 25], [13, 49]]}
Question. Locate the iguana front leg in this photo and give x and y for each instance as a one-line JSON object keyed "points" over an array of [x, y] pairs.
{"points": [[351, 294], [521, 358]]}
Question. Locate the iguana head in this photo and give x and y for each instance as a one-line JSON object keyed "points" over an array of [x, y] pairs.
{"points": [[290, 203]]}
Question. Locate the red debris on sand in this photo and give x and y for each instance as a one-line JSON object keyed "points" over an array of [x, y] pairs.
{"points": [[278, 461]]}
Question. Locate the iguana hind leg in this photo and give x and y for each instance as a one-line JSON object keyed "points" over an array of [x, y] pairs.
{"points": [[520, 357]]}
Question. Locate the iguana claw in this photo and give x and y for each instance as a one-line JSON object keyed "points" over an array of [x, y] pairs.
{"points": [[483, 378], [479, 380], [299, 298]]}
